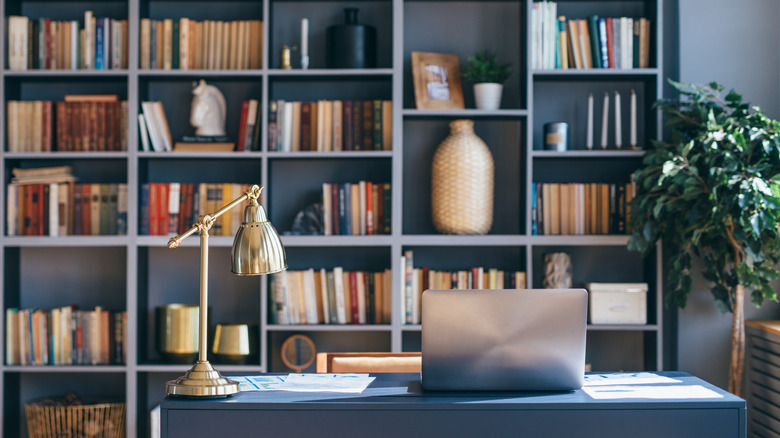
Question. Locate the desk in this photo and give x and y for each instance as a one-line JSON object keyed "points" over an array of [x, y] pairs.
{"points": [[395, 406]]}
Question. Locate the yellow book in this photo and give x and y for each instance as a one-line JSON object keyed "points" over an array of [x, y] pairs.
{"points": [[256, 44], [296, 126], [225, 45], [167, 44], [232, 43], [144, 46], [355, 208]]}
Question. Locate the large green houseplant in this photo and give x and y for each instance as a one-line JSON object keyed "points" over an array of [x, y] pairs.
{"points": [[713, 190]]}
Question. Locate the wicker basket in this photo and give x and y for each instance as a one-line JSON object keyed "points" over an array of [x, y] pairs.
{"points": [[462, 182], [101, 420]]}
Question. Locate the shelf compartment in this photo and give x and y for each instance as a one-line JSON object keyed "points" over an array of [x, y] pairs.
{"points": [[175, 93], [580, 240], [167, 276], [23, 387], [490, 24], [99, 169], [285, 28], [309, 88], [372, 259], [347, 340], [621, 350], [201, 10], [449, 258], [560, 98], [504, 139], [294, 185]]}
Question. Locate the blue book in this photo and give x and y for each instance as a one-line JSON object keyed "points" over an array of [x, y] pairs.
{"points": [[603, 41], [100, 54], [534, 225], [143, 224], [343, 215]]}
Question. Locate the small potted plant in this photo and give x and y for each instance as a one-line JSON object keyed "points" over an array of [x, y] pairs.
{"points": [[488, 76]]}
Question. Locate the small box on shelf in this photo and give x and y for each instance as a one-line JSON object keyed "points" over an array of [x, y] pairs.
{"points": [[618, 303]]}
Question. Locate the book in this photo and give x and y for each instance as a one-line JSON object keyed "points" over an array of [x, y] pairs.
{"points": [[184, 146]]}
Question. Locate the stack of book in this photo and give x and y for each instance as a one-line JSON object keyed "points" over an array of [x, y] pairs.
{"points": [[97, 43], [187, 44], [65, 336], [581, 208], [41, 204], [416, 280], [172, 208], [330, 125], [82, 123], [330, 297], [154, 129], [592, 42], [362, 208]]}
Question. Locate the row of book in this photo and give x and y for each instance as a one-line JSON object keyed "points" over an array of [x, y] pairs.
{"points": [[361, 208], [96, 43], [330, 297], [187, 44], [592, 42], [581, 208], [66, 209], [154, 130], [415, 280], [65, 336], [172, 208], [330, 125], [79, 123]]}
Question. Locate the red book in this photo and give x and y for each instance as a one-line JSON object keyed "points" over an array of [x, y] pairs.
{"points": [[46, 134], [353, 293], [610, 56], [346, 126], [369, 209], [185, 207], [162, 217], [94, 128], [306, 126], [242, 126], [357, 125], [334, 208], [48, 44]]}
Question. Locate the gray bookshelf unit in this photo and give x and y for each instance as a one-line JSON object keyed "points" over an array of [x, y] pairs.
{"points": [[136, 272]]}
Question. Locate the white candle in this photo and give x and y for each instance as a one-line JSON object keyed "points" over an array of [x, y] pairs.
{"points": [[589, 139], [633, 119], [618, 126], [305, 37], [604, 118]]}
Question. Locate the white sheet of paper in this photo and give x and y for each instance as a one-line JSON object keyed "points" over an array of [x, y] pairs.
{"points": [[257, 383], [656, 392], [320, 382], [626, 379]]}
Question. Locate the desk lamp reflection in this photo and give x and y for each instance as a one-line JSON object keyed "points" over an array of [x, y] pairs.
{"points": [[257, 250]]}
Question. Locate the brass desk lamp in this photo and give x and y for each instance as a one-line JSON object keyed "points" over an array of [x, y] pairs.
{"points": [[257, 250]]}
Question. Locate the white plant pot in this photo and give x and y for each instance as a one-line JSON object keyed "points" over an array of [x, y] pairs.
{"points": [[488, 95]]}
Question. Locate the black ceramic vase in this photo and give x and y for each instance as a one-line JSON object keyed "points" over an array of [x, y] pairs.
{"points": [[351, 45]]}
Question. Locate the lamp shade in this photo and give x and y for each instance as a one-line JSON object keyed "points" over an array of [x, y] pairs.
{"points": [[257, 248]]}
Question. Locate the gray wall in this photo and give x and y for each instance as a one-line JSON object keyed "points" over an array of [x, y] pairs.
{"points": [[735, 43]]}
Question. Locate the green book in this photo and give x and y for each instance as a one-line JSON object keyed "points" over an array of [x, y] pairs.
{"points": [[595, 44], [377, 128], [175, 60]]}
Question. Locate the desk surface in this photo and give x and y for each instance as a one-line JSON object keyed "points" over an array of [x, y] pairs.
{"points": [[395, 403]]}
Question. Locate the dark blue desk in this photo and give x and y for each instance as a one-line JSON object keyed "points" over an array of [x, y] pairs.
{"points": [[394, 406]]}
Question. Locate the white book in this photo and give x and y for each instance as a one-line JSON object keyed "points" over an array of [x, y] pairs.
{"points": [[341, 305], [251, 125], [89, 40], [311, 296], [174, 195], [326, 209], [293, 304], [361, 295], [17, 42], [54, 201], [287, 128], [12, 209], [324, 296], [402, 290], [74, 44], [63, 206], [143, 132]]}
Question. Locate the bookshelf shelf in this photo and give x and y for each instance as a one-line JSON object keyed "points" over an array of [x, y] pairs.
{"points": [[136, 273]]}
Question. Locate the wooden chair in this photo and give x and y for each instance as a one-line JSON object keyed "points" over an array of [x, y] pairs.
{"points": [[369, 362]]}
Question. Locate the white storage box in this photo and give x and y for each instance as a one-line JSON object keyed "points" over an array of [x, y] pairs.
{"points": [[618, 303]]}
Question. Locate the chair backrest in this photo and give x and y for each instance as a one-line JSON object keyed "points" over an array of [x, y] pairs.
{"points": [[369, 362]]}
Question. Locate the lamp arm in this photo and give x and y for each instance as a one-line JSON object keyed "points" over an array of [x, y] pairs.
{"points": [[206, 221]]}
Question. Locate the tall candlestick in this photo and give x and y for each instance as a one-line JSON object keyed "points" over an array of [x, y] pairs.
{"points": [[305, 43], [589, 138], [618, 125], [632, 133], [604, 119]]}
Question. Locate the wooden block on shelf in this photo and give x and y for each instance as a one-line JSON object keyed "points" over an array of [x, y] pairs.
{"points": [[184, 146]]}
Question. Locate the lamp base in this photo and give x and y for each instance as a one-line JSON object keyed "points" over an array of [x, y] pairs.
{"points": [[201, 381]]}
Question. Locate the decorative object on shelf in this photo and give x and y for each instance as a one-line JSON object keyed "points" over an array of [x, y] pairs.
{"points": [[287, 57], [235, 343], [208, 109], [718, 145], [298, 352], [350, 45], [488, 76], [617, 303], [46, 418], [305, 43], [589, 128], [462, 182], [604, 120], [257, 250], [557, 271], [436, 81], [177, 332], [632, 133], [618, 122], [556, 136], [308, 222]]}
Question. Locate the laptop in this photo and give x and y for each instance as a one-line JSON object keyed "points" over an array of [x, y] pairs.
{"points": [[503, 340]]}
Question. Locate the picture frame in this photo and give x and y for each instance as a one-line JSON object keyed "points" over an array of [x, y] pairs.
{"points": [[437, 83]]}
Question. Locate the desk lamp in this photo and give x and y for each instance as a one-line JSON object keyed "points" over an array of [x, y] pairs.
{"points": [[257, 250]]}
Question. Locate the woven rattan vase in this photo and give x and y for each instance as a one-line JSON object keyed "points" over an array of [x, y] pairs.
{"points": [[462, 182]]}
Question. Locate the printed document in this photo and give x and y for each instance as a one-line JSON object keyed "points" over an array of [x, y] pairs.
{"points": [[626, 379], [656, 392]]}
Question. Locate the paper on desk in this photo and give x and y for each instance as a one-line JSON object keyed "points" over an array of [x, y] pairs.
{"points": [[354, 383], [665, 391], [258, 383], [626, 379]]}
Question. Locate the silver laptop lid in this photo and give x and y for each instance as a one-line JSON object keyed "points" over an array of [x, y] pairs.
{"points": [[519, 340]]}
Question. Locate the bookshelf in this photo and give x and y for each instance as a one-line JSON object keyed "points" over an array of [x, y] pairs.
{"points": [[136, 272]]}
